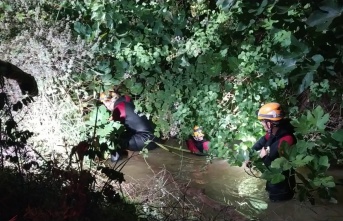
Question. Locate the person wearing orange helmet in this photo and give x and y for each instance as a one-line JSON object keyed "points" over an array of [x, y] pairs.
{"points": [[196, 143], [278, 130], [139, 129]]}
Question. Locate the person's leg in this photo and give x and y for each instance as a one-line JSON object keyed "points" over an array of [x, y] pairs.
{"points": [[121, 151], [280, 191], [138, 142], [133, 145], [152, 145]]}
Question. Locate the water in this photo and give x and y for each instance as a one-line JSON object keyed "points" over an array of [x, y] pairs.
{"points": [[232, 185]]}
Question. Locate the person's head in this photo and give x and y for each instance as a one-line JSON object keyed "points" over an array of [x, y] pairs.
{"points": [[270, 116], [197, 133], [108, 98]]}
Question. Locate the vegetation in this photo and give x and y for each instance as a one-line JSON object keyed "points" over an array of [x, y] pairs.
{"points": [[203, 62]]}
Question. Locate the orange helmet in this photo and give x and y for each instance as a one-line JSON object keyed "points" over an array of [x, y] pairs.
{"points": [[197, 132], [107, 96], [270, 111]]}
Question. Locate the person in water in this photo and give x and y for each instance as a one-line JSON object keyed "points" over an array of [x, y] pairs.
{"points": [[278, 130], [138, 129], [196, 142]]}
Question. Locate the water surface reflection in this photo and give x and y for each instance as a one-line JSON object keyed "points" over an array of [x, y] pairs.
{"points": [[232, 185]]}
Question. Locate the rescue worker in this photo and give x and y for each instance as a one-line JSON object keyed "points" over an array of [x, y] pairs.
{"points": [[278, 130], [196, 142], [138, 128]]}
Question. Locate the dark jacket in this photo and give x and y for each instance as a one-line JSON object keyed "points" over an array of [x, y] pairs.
{"points": [[139, 129], [124, 111], [285, 133], [283, 190]]}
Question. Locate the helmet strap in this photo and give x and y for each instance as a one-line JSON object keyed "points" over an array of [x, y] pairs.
{"points": [[270, 128]]}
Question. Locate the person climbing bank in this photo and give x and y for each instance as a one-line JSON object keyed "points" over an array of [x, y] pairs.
{"points": [[278, 130], [138, 128], [196, 142]]}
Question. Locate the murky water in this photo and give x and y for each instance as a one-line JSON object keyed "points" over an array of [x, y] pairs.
{"points": [[232, 185]]}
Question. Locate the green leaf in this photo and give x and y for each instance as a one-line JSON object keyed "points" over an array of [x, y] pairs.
{"points": [[322, 19], [277, 178], [225, 5], [325, 181], [305, 82], [184, 62], [283, 65], [303, 146], [318, 58], [262, 7], [223, 52], [307, 159], [136, 88], [338, 135], [320, 118], [301, 47], [277, 163], [79, 28], [329, 184], [301, 160], [233, 63], [324, 161], [321, 122], [282, 163], [104, 131]]}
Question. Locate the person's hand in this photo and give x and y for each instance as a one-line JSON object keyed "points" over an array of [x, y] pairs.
{"points": [[263, 152]]}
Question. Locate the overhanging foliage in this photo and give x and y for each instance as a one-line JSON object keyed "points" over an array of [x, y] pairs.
{"points": [[196, 62]]}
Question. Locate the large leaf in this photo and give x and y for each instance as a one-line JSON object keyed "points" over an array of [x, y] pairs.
{"points": [[306, 81], [282, 163], [318, 58], [233, 63], [300, 46], [324, 161], [277, 178], [301, 160], [338, 135], [101, 116], [324, 181], [283, 65], [321, 117], [322, 19], [136, 88], [303, 146], [225, 5], [262, 7]]}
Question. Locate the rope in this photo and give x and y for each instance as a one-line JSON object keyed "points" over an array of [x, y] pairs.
{"points": [[170, 148]]}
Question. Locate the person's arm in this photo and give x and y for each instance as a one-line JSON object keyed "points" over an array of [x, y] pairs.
{"points": [[274, 149], [205, 145], [119, 112], [268, 158], [256, 147], [260, 143]]}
